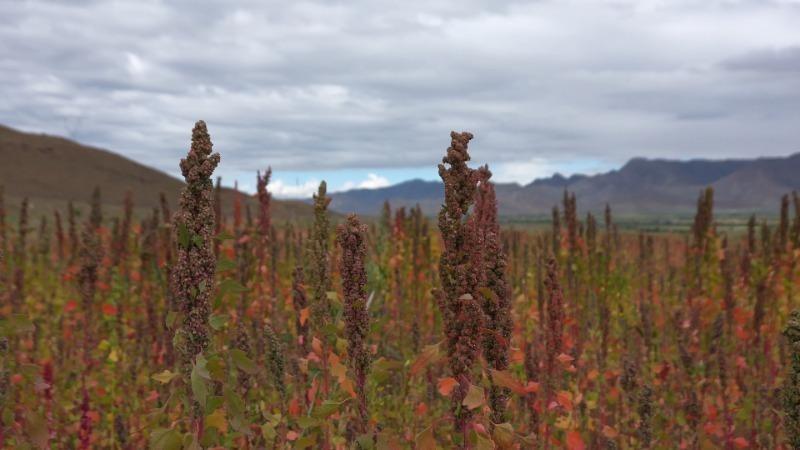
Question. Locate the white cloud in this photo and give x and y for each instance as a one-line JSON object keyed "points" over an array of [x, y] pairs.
{"points": [[523, 171], [373, 181], [281, 189], [135, 65], [306, 189]]}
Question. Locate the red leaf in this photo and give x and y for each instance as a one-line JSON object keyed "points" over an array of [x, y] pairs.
{"points": [[575, 441], [741, 442], [109, 309]]}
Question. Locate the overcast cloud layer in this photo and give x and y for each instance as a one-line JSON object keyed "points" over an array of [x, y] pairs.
{"points": [[358, 87]]}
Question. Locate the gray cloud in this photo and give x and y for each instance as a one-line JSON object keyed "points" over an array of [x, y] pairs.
{"points": [[312, 85], [767, 60]]}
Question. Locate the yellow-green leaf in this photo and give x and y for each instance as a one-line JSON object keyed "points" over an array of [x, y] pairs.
{"points": [[164, 377], [217, 420], [242, 362], [165, 439], [474, 398]]}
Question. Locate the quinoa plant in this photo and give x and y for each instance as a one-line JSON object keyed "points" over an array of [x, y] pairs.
{"points": [[496, 296], [351, 238], [791, 385], [458, 297], [319, 261], [192, 280]]}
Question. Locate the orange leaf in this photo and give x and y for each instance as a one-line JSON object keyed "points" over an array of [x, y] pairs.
{"points": [[741, 442], [292, 435], [610, 432], [532, 386], [316, 345], [304, 313], [564, 399], [564, 358], [575, 441], [348, 387], [428, 356], [446, 385], [517, 355], [421, 409], [70, 306], [426, 440], [311, 394], [504, 379]]}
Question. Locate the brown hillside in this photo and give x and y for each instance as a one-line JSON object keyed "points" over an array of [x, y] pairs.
{"points": [[51, 171]]}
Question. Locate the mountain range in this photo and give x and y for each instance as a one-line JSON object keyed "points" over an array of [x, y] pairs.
{"points": [[640, 187], [51, 170]]}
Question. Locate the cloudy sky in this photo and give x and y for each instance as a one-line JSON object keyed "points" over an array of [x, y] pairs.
{"points": [[365, 92]]}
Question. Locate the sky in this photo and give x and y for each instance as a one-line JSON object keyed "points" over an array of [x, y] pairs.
{"points": [[364, 93]]}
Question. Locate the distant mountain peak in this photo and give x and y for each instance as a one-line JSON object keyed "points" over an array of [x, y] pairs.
{"points": [[640, 186]]}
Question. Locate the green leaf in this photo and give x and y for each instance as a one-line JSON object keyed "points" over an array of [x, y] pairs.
{"points": [[214, 402], [30, 371], [170, 320], [327, 408], [365, 442], [227, 286], [268, 431], [306, 422], [198, 380], [201, 363], [224, 264], [217, 321], [190, 442], [309, 441], [16, 324], [474, 397], [216, 368], [482, 442], [384, 368], [242, 362], [197, 241], [234, 403], [217, 420], [164, 377], [223, 236], [503, 435], [165, 439], [184, 236]]}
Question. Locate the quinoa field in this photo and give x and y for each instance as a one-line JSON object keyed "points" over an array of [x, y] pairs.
{"points": [[187, 328]]}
